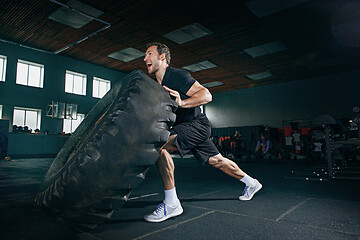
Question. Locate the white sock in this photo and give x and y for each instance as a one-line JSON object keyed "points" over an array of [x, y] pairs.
{"points": [[249, 181], [171, 197]]}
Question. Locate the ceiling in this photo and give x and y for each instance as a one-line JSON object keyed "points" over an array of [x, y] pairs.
{"points": [[320, 37]]}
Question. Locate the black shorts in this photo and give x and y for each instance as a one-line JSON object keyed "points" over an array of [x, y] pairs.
{"points": [[194, 136]]}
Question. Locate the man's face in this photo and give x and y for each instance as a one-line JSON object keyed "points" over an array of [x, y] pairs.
{"points": [[152, 59]]}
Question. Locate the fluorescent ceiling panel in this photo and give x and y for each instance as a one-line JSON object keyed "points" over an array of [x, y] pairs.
{"points": [[263, 8], [200, 66], [265, 49], [259, 76], [212, 84], [127, 55], [188, 33], [325, 63], [72, 18]]}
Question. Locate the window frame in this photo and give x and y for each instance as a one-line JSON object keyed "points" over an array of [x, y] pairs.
{"points": [[107, 82], [84, 81], [38, 118], [202, 109], [3, 73], [71, 121], [33, 64]]}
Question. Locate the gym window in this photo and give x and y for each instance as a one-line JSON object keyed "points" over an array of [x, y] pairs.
{"points": [[27, 117], [75, 83], [70, 125], [100, 87], [2, 68], [30, 74]]}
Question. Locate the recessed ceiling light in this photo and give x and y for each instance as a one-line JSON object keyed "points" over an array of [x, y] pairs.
{"points": [[127, 54], [213, 84], [263, 8], [200, 66], [72, 18], [258, 76], [265, 49], [188, 33]]}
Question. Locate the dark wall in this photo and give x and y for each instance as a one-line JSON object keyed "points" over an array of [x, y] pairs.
{"points": [[271, 104], [34, 145], [4, 139], [12, 94]]}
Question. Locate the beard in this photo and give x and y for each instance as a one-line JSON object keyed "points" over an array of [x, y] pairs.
{"points": [[154, 68]]}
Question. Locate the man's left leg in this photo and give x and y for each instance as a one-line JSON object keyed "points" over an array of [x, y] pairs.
{"points": [[171, 206]]}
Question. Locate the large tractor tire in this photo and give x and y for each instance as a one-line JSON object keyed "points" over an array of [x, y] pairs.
{"points": [[110, 152]]}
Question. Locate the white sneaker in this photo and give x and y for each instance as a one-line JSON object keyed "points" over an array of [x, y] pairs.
{"points": [[249, 192], [163, 212]]}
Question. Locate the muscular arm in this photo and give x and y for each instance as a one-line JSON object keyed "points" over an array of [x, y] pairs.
{"points": [[198, 95]]}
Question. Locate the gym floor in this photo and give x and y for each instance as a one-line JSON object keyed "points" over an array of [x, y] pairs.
{"points": [[283, 209]]}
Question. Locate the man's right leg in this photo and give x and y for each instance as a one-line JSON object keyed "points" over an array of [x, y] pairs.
{"points": [[171, 206], [231, 168]]}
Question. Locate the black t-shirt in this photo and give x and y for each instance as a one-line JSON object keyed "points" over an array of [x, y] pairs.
{"points": [[180, 80]]}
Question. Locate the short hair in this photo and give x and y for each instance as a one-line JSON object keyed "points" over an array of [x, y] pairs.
{"points": [[161, 48]]}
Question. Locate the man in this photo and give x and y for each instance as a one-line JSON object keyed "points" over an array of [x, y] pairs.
{"points": [[191, 132], [262, 147]]}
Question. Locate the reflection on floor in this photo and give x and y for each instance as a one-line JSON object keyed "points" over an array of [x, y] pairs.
{"points": [[283, 209]]}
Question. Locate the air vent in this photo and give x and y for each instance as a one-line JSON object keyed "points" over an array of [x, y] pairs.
{"points": [[265, 49], [263, 8], [212, 84], [259, 76], [72, 18], [188, 33], [199, 66], [127, 55]]}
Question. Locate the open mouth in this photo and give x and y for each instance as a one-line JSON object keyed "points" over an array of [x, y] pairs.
{"points": [[148, 65]]}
